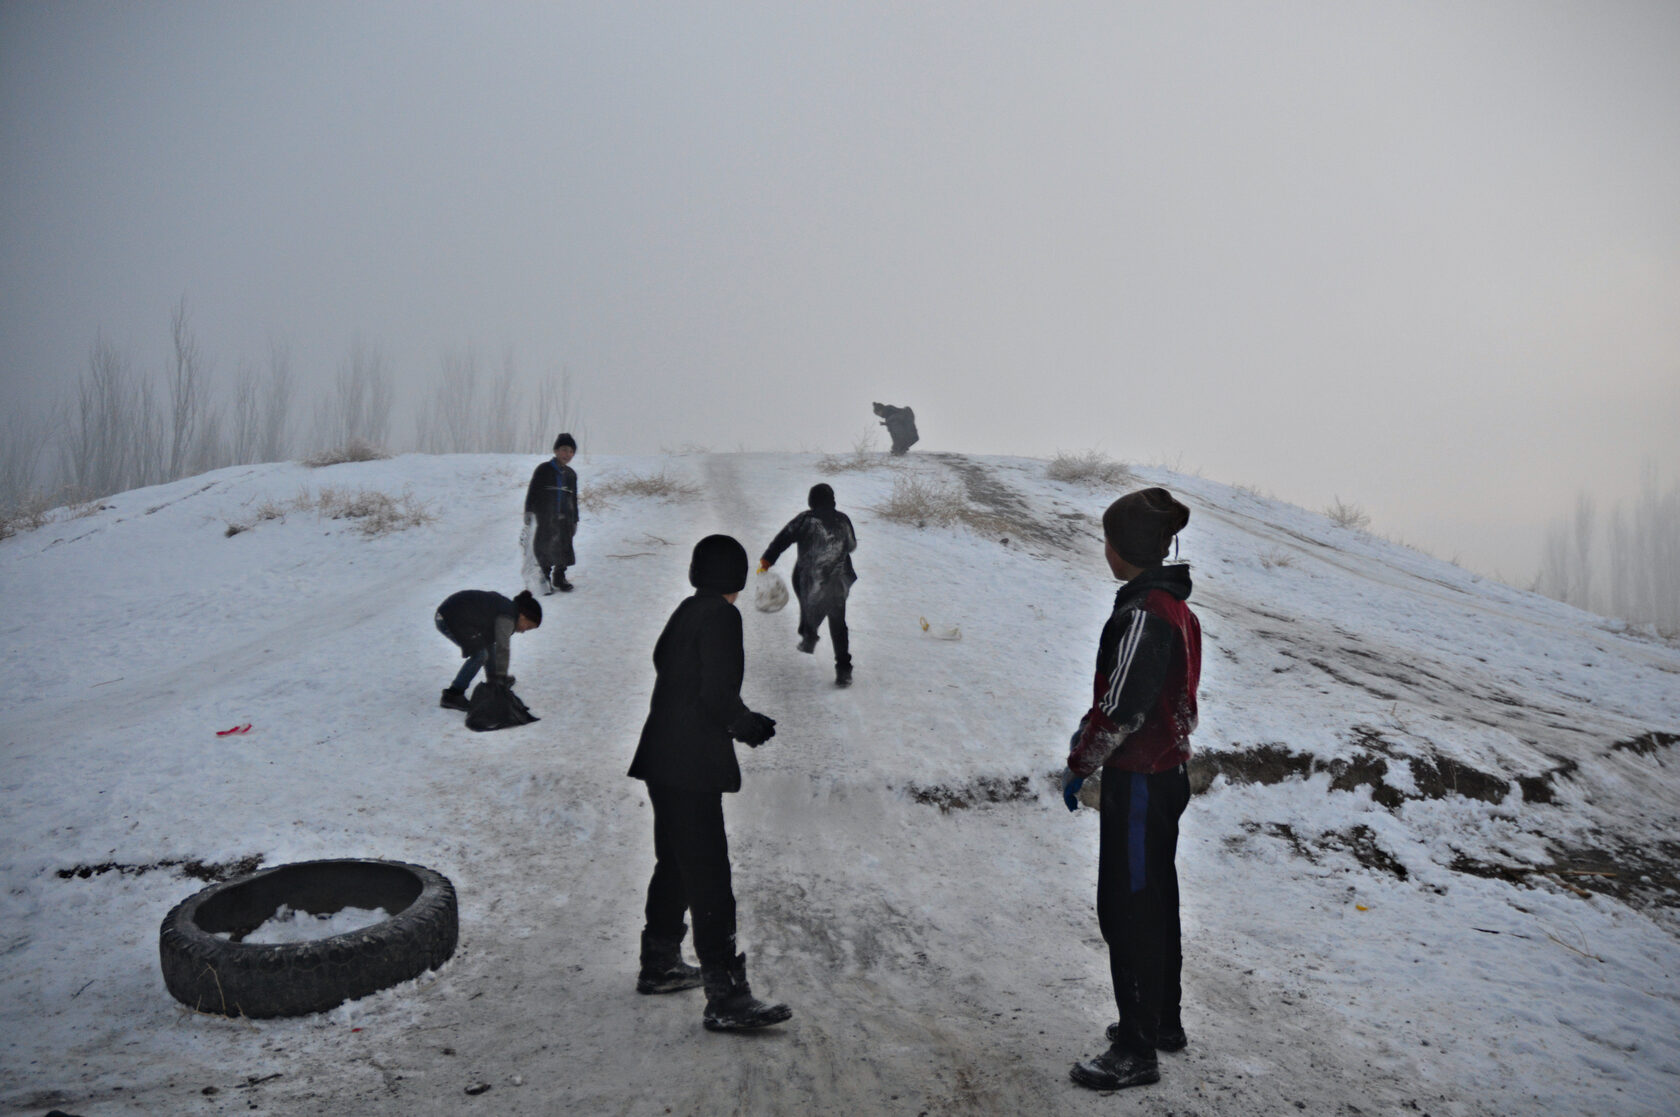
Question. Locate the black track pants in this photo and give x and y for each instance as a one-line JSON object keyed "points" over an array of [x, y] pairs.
{"points": [[691, 871], [827, 605], [1137, 898]]}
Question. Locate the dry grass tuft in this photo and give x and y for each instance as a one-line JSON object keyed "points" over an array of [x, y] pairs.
{"points": [[1350, 516], [32, 512], [866, 454], [918, 501], [353, 451], [376, 513], [662, 485], [1090, 467]]}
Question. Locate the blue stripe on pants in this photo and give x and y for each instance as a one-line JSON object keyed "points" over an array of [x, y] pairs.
{"points": [[1137, 819]]}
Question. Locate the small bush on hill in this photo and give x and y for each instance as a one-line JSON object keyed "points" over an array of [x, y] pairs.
{"points": [[353, 451], [1089, 467], [1350, 516], [377, 513], [661, 484]]}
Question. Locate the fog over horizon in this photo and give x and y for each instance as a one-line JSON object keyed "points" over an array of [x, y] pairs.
{"points": [[1423, 258]]}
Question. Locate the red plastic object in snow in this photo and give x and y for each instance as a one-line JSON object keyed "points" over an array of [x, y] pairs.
{"points": [[246, 728]]}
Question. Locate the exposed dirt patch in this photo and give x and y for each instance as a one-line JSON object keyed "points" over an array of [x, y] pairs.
{"points": [[1433, 777], [1647, 744], [1359, 842], [1640, 876], [1007, 510], [211, 872], [986, 789]]}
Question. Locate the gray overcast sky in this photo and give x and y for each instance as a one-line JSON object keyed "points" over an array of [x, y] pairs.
{"points": [[1425, 257]]}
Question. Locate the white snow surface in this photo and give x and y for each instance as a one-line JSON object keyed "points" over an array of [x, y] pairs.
{"points": [[908, 878], [289, 925]]}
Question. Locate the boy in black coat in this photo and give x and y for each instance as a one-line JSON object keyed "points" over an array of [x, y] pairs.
{"points": [[822, 574], [687, 758], [551, 514], [481, 623]]}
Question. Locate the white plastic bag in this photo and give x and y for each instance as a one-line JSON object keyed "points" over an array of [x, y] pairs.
{"points": [[770, 593]]}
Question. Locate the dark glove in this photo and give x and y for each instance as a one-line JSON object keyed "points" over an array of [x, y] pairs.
{"points": [[1070, 788], [753, 729]]}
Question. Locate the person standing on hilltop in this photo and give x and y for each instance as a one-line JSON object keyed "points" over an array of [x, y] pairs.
{"points": [[551, 515], [822, 574], [1138, 732]]}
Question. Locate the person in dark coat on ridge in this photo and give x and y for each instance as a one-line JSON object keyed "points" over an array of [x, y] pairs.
{"points": [[822, 574], [551, 514], [1137, 731], [901, 426], [686, 756], [481, 623]]}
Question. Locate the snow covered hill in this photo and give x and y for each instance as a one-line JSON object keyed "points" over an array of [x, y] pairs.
{"points": [[1433, 869]]}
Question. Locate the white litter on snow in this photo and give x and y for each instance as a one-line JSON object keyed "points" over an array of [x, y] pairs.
{"points": [[293, 925], [1412, 919]]}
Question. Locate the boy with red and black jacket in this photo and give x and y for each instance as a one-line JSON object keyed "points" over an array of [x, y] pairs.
{"points": [[1138, 732]]}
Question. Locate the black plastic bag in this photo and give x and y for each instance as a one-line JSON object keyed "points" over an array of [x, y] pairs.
{"points": [[495, 706]]}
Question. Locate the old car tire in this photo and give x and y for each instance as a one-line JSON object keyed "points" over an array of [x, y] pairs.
{"points": [[233, 978]]}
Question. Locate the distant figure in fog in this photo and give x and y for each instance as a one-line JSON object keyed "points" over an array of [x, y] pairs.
{"points": [[822, 574], [551, 515], [901, 425]]}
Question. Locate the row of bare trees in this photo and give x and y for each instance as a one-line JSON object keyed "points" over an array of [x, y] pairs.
{"points": [[1626, 566], [122, 427]]}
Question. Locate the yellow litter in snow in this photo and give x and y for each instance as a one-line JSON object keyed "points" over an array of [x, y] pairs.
{"points": [[952, 633]]}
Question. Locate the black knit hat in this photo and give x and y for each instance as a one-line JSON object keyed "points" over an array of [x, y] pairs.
{"points": [[529, 606], [565, 440], [719, 564], [820, 496], [1140, 526]]}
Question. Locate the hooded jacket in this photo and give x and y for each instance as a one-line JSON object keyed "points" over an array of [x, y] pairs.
{"points": [[1149, 662]]}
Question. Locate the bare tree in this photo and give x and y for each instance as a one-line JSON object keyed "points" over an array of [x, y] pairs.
{"points": [[1581, 567], [274, 441], [552, 411], [245, 434], [22, 448], [187, 395], [359, 410], [499, 424]]}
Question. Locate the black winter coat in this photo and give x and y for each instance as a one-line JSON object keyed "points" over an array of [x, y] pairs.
{"points": [[553, 493], [481, 621], [700, 661]]}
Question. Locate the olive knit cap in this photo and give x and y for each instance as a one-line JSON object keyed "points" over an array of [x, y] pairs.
{"points": [[719, 564], [820, 496], [1140, 526]]}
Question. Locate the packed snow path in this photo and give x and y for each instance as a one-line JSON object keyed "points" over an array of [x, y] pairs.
{"points": [[908, 880]]}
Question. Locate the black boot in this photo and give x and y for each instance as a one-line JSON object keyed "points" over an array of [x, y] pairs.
{"points": [[730, 1006], [1170, 1037], [663, 970], [453, 699], [1117, 1068], [843, 675]]}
